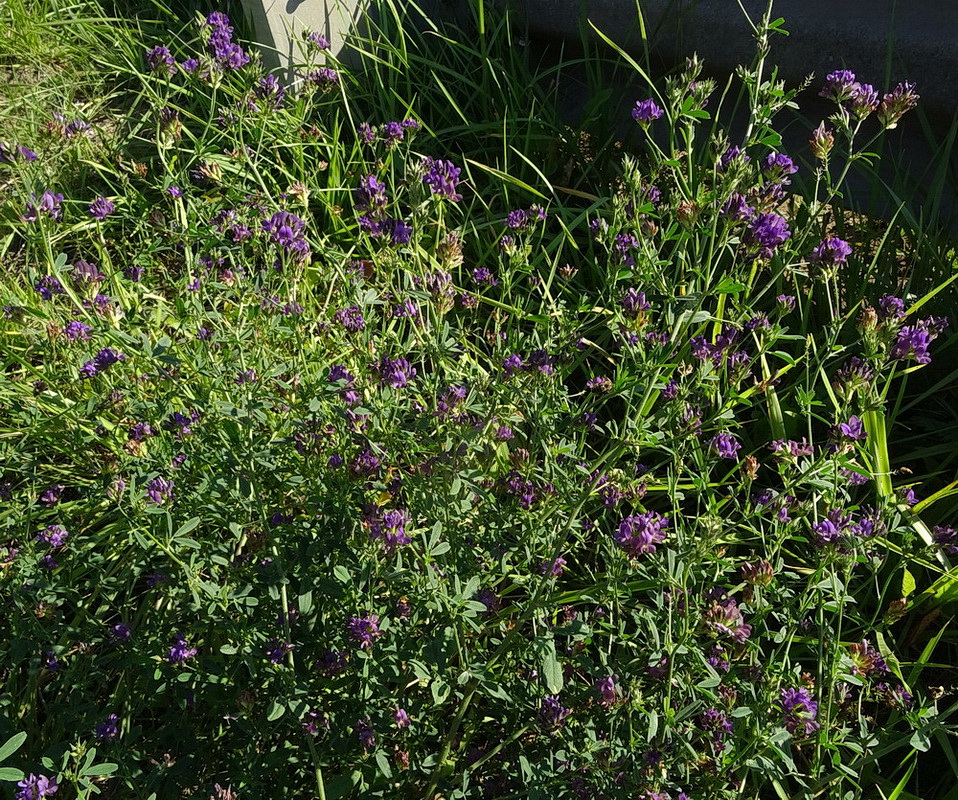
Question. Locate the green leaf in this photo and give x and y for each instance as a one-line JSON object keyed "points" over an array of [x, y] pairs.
{"points": [[383, 763], [11, 774], [186, 527], [275, 711], [11, 746], [552, 669], [907, 583], [342, 574], [101, 769]]}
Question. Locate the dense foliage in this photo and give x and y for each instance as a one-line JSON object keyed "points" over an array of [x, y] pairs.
{"points": [[338, 458]]}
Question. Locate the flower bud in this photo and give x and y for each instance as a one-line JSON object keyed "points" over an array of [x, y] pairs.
{"points": [[821, 142]]}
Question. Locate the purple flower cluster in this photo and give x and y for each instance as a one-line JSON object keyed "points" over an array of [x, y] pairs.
{"points": [[158, 491], [389, 527], [364, 630], [725, 618], [765, 232], [703, 350], [851, 431], [47, 205], [442, 178], [220, 44], [104, 359], [639, 534], [395, 372], [539, 360], [35, 787], [288, 231], [12, 153], [610, 693], [896, 104], [831, 252], [862, 98], [323, 78], [646, 111], [53, 535], [370, 199], [181, 651], [350, 318], [552, 713], [109, 729], [271, 92], [777, 167], [634, 304], [799, 710], [726, 446], [48, 286], [946, 537], [913, 341], [391, 134], [160, 59]]}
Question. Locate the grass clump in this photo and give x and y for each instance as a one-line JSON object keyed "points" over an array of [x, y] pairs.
{"points": [[345, 451]]}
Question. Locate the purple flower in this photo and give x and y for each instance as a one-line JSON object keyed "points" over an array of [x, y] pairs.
{"points": [[839, 85], [159, 59], [799, 710], [390, 527], [103, 360], [634, 303], [120, 632], [271, 91], [11, 153], [512, 364], [442, 178], [48, 205], [891, 308], [946, 537], [777, 167], [276, 650], [318, 41], [364, 630], [324, 78], [853, 430], [350, 318], [725, 619], [764, 233], [484, 276], [737, 208], [34, 787], [181, 650], [101, 208], [220, 44], [609, 692], [85, 272], [158, 491], [732, 154], [53, 535], [913, 340], [367, 737], [831, 252], [896, 103], [638, 535], [402, 718], [395, 372], [646, 111], [109, 729], [864, 100], [313, 721], [288, 231], [551, 712], [553, 568], [726, 446]]}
